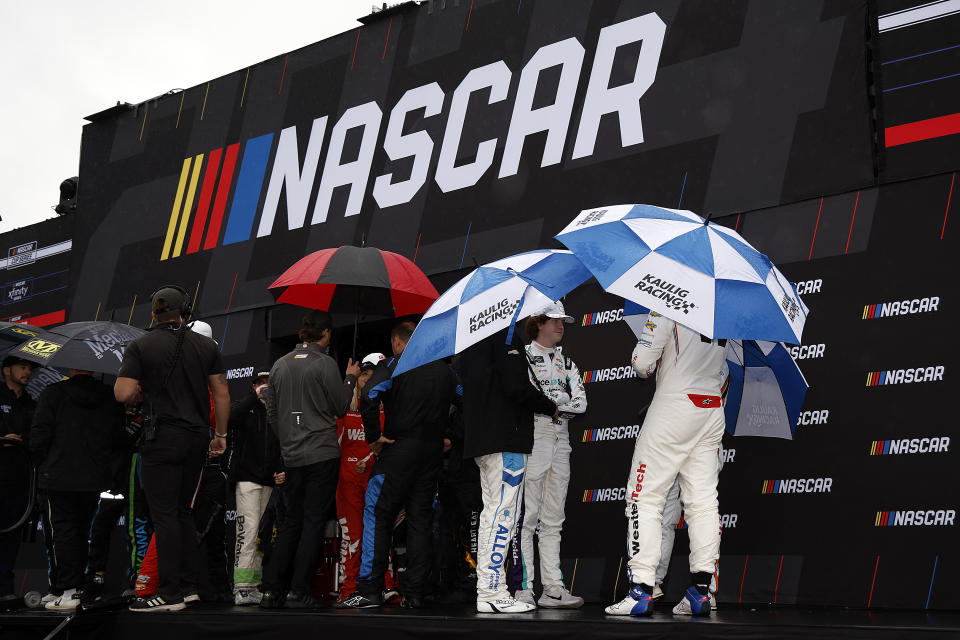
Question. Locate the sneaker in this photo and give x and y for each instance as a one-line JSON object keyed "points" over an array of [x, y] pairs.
{"points": [[504, 605], [713, 602], [93, 590], [556, 596], [191, 595], [250, 595], [301, 601], [69, 601], [357, 600], [156, 603], [637, 603], [389, 595], [694, 603], [657, 592], [271, 600], [525, 595], [411, 602]]}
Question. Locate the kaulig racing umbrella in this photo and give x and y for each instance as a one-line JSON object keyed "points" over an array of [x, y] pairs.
{"points": [[491, 298], [89, 346], [766, 389], [702, 275]]}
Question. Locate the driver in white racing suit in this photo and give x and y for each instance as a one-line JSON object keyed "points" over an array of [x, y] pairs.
{"points": [[680, 437], [548, 466]]}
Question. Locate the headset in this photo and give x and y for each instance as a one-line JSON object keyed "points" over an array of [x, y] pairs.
{"points": [[186, 311]]}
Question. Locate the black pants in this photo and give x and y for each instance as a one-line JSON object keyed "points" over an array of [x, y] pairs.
{"points": [[409, 472], [171, 465], [208, 512], [13, 502], [309, 494], [70, 514], [461, 502]]}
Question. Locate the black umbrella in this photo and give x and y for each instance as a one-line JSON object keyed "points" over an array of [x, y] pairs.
{"points": [[88, 346], [13, 333]]}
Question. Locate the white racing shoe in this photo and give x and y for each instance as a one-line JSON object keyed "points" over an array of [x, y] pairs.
{"points": [[525, 595], [504, 605], [69, 601], [637, 603], [557, 597], [657, 592], [693, 604]]}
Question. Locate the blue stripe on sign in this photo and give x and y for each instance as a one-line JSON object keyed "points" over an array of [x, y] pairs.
{"points": [[246, 197], [369, 525], [886, 448]]}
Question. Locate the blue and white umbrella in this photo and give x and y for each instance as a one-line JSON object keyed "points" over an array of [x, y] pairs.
{"points": [[489, 299], [766, 390], [702, 275]]}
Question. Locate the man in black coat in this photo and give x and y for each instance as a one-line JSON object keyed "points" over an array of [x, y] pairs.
{"points": [[498, 407], [76, 439]]}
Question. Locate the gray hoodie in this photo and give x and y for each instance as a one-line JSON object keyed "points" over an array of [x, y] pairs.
{"points": [[306, 397]]}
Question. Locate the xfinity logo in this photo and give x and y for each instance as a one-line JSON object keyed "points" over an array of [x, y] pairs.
{"points": [[910, 445], [901, 307], [612, 494], [817, 416], [602, 317], [905, 376], [807, 351], [625, 432], [606, 375], [670, 294], [498, 311], [309, 181], [916, 518], [798, 485]]}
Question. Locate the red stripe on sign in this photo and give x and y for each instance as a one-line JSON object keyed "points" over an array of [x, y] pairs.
{"points": [[815, 226], [873, 582], [776, 587], [947, 212], [47, 319], [852, 218], [206, 192], [223, 190], [743, 576], [387, 41], [922, 130]]}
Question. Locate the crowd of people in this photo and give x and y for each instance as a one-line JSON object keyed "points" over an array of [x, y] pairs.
{"points": [[440, 478]]}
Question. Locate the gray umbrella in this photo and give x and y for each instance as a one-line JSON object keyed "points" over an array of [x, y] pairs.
{"points": [[89, 346]]}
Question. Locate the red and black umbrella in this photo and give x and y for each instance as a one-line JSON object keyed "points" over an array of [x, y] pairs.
{"points": [[360, 281]]}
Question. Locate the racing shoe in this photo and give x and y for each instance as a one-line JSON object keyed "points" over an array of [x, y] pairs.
{"points": [[639, 602], [504, 605], [247, 595], [47, 599], [556, 596], [69, 601], [525, 595], [657, 592], [389, 595], [694, 603], [301, 601]]}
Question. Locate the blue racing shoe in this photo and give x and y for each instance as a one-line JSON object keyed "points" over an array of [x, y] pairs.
{"points": [[637, 603], [694, 603]]}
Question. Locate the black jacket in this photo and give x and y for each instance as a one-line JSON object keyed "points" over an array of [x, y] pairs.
{"points": [[416, 404], [16, 414], [77, 437], [254, 454], [498, 399]]}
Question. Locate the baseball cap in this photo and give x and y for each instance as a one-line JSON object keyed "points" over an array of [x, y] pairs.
{"points": [[201, 327], [371, 361], [555, 310], [260, 376], [10, 361], [168, 299]]}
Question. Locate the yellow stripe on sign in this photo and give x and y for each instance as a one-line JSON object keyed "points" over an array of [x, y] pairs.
{"points": [[175, 214], [864, 316], [876, 522], [188, 205]]}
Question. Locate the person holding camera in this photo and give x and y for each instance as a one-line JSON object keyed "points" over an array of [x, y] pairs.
{"points": [[172, 371]]}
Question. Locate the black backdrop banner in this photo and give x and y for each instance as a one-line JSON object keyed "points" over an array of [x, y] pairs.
{"points": [[35, 272], [478, 130], [472, 131]]}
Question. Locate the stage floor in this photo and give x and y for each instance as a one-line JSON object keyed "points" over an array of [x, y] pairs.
{"points": [[222, 621]]}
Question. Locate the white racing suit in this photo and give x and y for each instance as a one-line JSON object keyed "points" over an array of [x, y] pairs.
{"points": [[680, 439], [548, 468]]}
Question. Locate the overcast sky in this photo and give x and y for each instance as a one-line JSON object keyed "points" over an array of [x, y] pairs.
{"points": [[61, 60]]}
